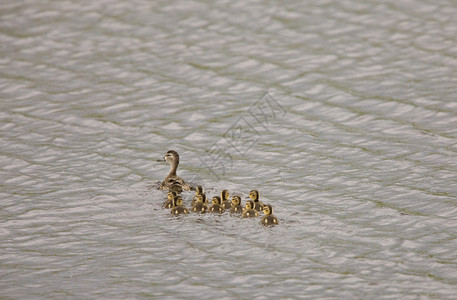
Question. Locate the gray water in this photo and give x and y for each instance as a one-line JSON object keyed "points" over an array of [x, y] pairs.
{"points": [[343, 114]]}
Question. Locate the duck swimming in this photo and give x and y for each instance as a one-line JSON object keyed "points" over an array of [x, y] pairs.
{"points": [[198, 191], [236, 207], [268, 219], [172, 157], [217, 206], [225, 198], [254, 195], [200, 205], [178, 207], [169, 202], [249, 212]]}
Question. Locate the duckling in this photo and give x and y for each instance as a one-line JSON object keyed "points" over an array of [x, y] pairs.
{"points": [[172, 157], [169, 202], [254, 195], [199, 205], [217, 205], [268, 219], [198, 191], [236, 207], [225, 198], [178, 207], [249, 212]]}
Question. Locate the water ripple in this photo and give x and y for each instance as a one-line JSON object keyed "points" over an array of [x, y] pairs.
{"points": [[359, 167]]}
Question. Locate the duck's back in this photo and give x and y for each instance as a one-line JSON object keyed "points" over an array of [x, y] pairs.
{"points": [[178, 210], [269, 220], [199, 207], [236, 209], [250, 213], [216, 208], [258, 206], [168, 204], [174, 184], [227, 204]]}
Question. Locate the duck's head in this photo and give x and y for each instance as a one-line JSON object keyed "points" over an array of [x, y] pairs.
{"points": [[172, 157], [177, 201], [199, 190], [171, 195], [254, 195], [217, 200], [249, 204], [236, 200], [225, 195], [267, 209]]}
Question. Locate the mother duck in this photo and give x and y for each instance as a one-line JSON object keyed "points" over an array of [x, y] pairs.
{"points": [[172, 157]]}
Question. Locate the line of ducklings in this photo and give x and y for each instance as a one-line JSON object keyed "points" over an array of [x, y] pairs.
{"points": [[221, 204]]}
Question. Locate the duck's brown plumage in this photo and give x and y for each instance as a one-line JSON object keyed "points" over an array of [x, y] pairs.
{"points": [[172, 179]]}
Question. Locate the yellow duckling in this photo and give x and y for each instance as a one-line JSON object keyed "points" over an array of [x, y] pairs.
{"points": [[225, 198], [198, 191], [249, 212], [199, 205], [236, 207], [178, 207], [169, 202], [254, 195], [217, 205], [268, 219], [172, 157]]}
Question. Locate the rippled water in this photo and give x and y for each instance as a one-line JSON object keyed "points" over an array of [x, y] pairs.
{"points": [[354, 144]]}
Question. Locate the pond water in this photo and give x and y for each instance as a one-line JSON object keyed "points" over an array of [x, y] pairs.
{"points": [[343, 115]]}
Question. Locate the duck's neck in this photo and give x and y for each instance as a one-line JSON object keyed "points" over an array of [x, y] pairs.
{"points": [[173, 168]]}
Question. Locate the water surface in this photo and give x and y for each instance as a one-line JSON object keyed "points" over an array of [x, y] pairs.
{"points": [[357, 153]]}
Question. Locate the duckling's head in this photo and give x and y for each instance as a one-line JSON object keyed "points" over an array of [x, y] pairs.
{"points": [[201, 198], [177, 201], [236, 200], [225, 195], [172, 157], [217, 200], [199, 190], [171, 195], [254, 195], [249, 204], [267, 209]]}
